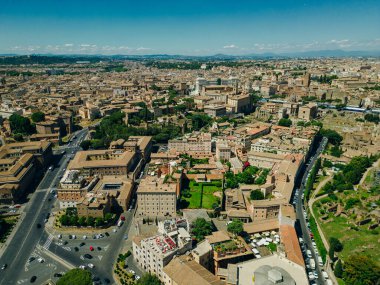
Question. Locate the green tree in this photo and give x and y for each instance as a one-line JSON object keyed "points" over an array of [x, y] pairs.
{"points": [[361, 270], [85, 145], [76, 276], [99, 222], [338, 269], [148, 279], [90, 221], [201, 228], [235, 227], [38, 117], [332, 136], [21, 125], [336, 244], [82, 221], [64, 220], [256, 195], [18, 137], [108, 217], [74, 220], [285, 122]]}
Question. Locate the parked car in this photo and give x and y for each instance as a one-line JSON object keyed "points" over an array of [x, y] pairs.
{"points": [[88, 256], [4, 266], [33, 279]]}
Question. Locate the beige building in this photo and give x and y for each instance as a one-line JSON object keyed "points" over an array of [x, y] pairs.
{"points": [[105, 162], [184, 270], [153, 253], [20, 164], [214, 110], [308, 112], [156, 198], [95, 205], [195, 143], [223, 152], [239, 103]]}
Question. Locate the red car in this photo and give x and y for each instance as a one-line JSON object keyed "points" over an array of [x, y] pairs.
{"points": [[91, 248], [122, 218]]}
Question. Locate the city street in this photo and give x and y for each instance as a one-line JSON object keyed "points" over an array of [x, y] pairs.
{"points": [[300, 213], [30, 230]]}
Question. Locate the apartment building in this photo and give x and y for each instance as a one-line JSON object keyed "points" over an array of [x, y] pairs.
{"points": [[215, 110], [94, 205], [75, 188], [195, 143], [155, 252], [223, 152], [239, 103], [156, 198], [142, 145], [308, 112], [20, 164], [105, 162], [184, 270]]}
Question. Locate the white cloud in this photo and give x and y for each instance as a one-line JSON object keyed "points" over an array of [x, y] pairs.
{"points": [[143, 48], [230, 47], [69, 45]]}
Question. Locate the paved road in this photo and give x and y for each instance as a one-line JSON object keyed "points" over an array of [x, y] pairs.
{"points": [[102, 259], [27, 234], [300, 211]]}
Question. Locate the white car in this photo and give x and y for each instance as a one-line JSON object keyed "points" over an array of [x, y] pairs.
{"points": [[90, 265], [84, 237], [82, 266], [41, 260]]}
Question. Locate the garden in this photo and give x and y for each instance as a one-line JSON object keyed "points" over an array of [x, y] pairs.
{"points": [[205, 195], [125, 276], [70, 218]]}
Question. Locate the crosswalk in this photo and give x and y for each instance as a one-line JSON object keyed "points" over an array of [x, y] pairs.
{"points": [[22, 281], [48, 242]]}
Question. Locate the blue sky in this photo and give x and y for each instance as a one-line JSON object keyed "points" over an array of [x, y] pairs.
{"points": [[198, 27]]}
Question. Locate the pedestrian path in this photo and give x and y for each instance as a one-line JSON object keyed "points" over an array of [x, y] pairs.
{"points": [[48, 242]]}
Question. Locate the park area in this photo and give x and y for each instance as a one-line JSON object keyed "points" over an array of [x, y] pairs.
{"points": [[350, 216], [205, 195]]}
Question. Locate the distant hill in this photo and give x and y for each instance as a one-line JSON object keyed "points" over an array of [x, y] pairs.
{"points": [[12, 59]]}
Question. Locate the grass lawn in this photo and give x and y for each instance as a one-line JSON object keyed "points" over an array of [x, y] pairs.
{"points": [[208, 198], [340, 281]]}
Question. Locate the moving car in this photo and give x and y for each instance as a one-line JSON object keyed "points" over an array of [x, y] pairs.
{"points": [[57, 275], [88, 256], [4, 266]]}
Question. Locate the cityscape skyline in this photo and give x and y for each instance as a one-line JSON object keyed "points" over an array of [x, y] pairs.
{"points": [[188, 28]]}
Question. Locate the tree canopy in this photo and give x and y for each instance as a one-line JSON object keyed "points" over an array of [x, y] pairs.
{"points": [[361, 270], [335, 244], [285, 122], [21, 125], [257, 195], [235, 227], [149, 279], [201, 228], [332, 136], [38, 117], [76, 276]]}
